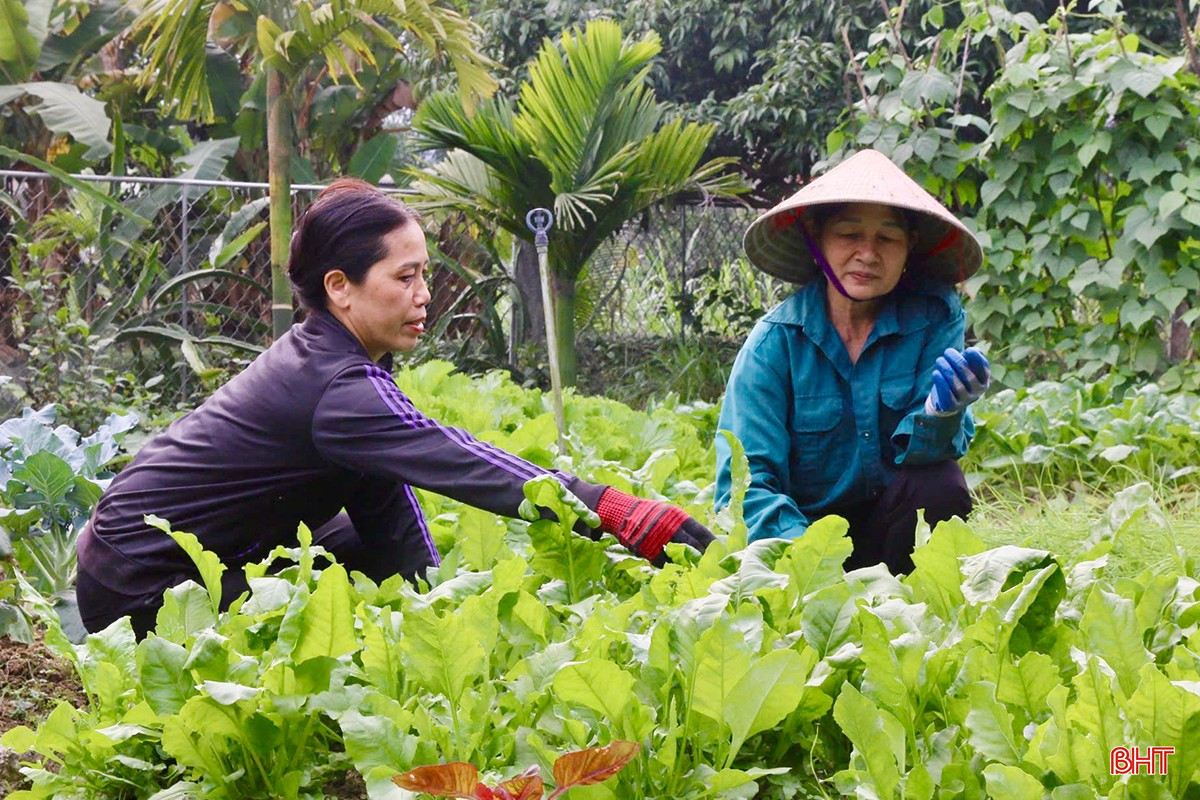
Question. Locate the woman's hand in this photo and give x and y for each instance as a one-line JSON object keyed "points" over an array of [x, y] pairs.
{"points": [[645, 526], [958, 380]]}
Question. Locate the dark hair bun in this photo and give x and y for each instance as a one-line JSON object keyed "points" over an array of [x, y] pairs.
{"points": [[342, 229]]}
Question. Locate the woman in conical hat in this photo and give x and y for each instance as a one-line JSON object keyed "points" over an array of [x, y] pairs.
{"points": [[851, 396]]}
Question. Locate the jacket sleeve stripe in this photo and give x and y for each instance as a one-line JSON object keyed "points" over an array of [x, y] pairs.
{"points": [[416, 507], [403, 408]]}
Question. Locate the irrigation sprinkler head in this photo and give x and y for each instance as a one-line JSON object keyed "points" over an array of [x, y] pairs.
{"points": [[540, 220]]}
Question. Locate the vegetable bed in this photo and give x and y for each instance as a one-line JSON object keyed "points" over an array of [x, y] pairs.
{"points": [[756, 672], [761, 671]]}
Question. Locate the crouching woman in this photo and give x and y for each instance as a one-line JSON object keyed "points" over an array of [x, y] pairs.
{"points": [[315, 431], [851, 396]]}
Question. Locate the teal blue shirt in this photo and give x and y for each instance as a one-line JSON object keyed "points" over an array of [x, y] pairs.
{"points": [[821, 432]]}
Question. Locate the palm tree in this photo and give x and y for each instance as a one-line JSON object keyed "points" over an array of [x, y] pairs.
{"points": [[285, 40], [587, 139]]}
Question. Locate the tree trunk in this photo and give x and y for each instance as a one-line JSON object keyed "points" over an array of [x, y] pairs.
{"points": [[279, 170], [564, 331], [1179, 336], [528, 322]]}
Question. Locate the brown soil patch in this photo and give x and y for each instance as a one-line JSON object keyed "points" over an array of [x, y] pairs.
{"points": [[32, 681], [350, 786]]}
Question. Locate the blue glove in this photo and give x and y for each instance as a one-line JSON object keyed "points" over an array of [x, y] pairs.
{"points": [[958, 379]]}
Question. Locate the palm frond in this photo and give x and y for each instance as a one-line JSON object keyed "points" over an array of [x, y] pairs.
{"points": [[720, 178], [459, 175], [173, 35], [577, 203], [587, 139], [462, 182], [669, 155], [339, 29], [442, 123], [571, 98]]}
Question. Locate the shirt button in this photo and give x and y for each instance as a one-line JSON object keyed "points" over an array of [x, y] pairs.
{"points": [[866, 434]]}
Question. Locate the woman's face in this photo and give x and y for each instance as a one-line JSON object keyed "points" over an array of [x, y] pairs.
{"points": [[867, 246], [386, 311]]}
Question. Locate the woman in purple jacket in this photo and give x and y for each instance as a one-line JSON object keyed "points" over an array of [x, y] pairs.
{"points": [[315, 431]]}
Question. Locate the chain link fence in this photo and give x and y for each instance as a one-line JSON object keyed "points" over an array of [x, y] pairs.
{"points": [[157, 302], [677, 271], [144, 290]]}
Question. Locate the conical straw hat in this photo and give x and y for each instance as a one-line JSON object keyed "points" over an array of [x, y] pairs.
{"points": [[945, 249]]}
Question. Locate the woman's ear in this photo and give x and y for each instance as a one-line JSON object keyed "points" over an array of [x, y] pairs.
{"points": [[810, 224], [337, 288]]}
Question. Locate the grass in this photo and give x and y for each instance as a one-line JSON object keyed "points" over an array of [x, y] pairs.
{"points": [[1068, 523]]}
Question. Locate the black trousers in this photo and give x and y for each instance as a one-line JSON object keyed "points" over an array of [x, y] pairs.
{"points": [[100, 605], [884, 529]]}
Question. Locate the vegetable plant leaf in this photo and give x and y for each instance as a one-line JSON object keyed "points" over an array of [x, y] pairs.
{"points": [[1109, 628], [991, 726], [327, 623], [1011, 783], [526, 786], [206, 562], [828, 619], [187, 609], [48, 475], [987, 574], [815, 560], [593, 765], [381, 654], [1027, 686], [443, 654], [722, 658], [559, 552], [166, 685], [1096, 712], [377, 741], [456, 779], [597, 684], [1169, 716], [547, 491], [732, 516], [877, 736], [936, 578], [766, 693]]}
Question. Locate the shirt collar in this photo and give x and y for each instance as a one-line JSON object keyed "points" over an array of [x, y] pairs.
{"points": [[321, 323], [807, 309]]}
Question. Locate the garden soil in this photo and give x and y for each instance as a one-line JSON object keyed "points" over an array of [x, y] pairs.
{"points": [[32, 681], [351, 786]]}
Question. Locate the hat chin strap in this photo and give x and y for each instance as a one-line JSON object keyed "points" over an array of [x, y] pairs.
{"points": [[823, 263]]}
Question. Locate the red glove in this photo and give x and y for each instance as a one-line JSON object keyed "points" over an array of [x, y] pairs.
{"points": [[645, 526]]}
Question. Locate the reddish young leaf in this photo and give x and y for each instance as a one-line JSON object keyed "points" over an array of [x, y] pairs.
{"points": [[456, 779], [526, 786], [592, 765]]}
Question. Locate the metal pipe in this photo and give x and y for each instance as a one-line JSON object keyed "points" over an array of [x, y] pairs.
{"points": [[186, 255], [539, 221]]}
